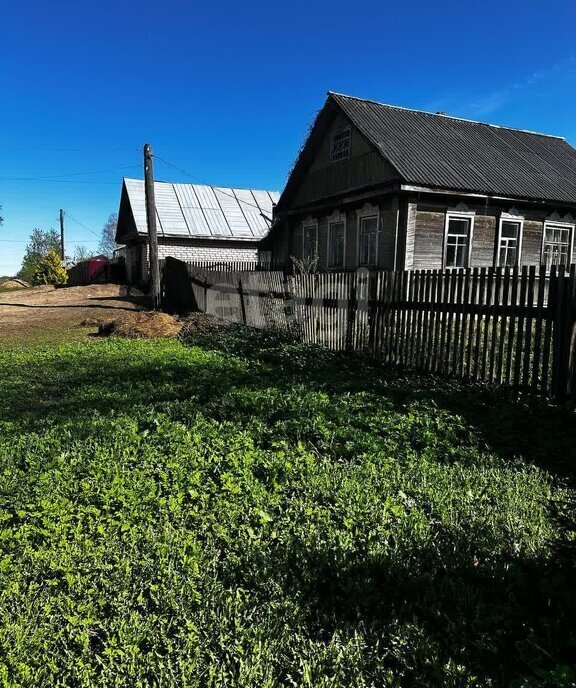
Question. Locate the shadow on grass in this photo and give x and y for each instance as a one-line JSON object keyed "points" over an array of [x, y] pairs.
{"points": [[509, 424], [501, 615], [501, 618]]}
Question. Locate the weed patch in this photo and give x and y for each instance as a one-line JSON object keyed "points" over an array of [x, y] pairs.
{"points": [[243, 510]]}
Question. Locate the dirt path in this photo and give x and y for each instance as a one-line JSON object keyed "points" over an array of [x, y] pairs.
{"points": [[48, 315]]}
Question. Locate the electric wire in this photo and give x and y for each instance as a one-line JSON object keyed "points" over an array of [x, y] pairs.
{"points": [[199, 181]]}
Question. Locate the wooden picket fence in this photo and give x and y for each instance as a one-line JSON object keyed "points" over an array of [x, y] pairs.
{"points": [[237, 266], [504, 326]]}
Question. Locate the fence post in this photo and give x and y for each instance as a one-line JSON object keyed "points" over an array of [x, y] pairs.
{"points": [[372, 309], [351, 317], [242, 305], [563, 341], [205, 293], [288, 300]]}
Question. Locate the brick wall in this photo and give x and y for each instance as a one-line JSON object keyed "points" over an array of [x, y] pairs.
{"points": [[217, 252]]}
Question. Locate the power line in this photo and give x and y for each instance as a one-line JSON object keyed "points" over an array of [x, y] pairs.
{"points": [[67, 214], [58, 177], [56, 181], [199, 181], [77, 174]]}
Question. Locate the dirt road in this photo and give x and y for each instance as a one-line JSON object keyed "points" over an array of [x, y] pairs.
{"points": [[48, 315]]}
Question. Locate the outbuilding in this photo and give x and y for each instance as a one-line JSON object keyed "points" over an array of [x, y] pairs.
{"points": [[196, 223]]}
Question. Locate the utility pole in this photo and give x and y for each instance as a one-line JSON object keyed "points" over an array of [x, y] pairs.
{"points": [[151, 222], [62, 236]]}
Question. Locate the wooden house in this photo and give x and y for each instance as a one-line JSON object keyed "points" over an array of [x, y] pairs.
{"points": [[386, 187], [195, 222]]}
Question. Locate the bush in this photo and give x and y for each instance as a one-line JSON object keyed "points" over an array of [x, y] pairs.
{"points": [[50, 270]]}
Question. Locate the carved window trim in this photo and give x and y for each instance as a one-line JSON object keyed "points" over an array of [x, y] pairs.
{"points": [[469, 216], [365, 213], [340, 144], [512, 218], [336, 218]]}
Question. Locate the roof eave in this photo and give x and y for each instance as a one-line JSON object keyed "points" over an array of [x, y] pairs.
{"points": [[418, 188]]}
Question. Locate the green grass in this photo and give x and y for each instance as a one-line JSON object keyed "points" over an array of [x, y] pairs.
{"points": [[38, 333], [251, 512]]}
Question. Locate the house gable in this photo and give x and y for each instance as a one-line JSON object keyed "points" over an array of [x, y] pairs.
{"points": [[315, 176], [126, 230]]}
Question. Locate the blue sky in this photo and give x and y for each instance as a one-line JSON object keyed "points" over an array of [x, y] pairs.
{"points": [[227, 91]]}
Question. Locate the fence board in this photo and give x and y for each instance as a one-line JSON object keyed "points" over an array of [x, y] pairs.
{"points": [[505, 327]]}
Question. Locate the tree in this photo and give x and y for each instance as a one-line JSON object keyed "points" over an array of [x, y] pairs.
{"points": [[39, 244], [108, 240], [49, 270], [81, 252]]}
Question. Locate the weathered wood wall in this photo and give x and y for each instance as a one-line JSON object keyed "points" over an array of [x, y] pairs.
{"points": [[387, 209], [325, 178], [427, 226]]}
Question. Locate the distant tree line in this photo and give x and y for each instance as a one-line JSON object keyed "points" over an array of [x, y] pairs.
{"points": [[45, 244]]}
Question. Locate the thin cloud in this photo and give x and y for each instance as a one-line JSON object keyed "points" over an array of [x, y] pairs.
{"points": [[492, 102]]}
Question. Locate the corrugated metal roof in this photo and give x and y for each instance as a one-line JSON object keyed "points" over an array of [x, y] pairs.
{"points": [[195, 210], [446, 152]]}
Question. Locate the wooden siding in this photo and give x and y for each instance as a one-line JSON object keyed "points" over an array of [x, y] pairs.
{"points": [[388, 209], [484, 241], [325, 178], [532, 242], [387, 235], [409, 242], [428, 243], [429, 240], [419, 242]]}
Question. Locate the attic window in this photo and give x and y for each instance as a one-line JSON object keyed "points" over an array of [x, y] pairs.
{"points": [[340, 145]]}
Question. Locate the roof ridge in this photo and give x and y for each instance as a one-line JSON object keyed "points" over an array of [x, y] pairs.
{"points": [[211, 186], [436, 114]]}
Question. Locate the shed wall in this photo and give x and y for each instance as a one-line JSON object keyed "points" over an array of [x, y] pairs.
{"points": [[216, 252]]}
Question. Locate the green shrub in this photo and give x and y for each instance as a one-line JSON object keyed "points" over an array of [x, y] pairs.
{"points": [[49, 270]]}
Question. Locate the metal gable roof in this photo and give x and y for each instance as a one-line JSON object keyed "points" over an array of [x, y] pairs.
{"points": [[201, 211], [445, 152]]}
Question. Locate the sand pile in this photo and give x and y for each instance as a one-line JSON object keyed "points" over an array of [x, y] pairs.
{"points": [[14, 284]]}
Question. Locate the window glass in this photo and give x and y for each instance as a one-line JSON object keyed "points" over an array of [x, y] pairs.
{"points": [[309, 236], [557, 242], [336, 245], [509, 243], [457, 241], [367, 241], [340, 145]]}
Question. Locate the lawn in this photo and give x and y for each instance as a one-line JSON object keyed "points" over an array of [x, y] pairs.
{"points": [[245, 511]]}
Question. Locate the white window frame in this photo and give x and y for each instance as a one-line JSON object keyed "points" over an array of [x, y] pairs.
{"points": [[367, 212], [458, 215], [564, 225], [336, 218], [517, 219], [341, 130], [309, 223]]}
